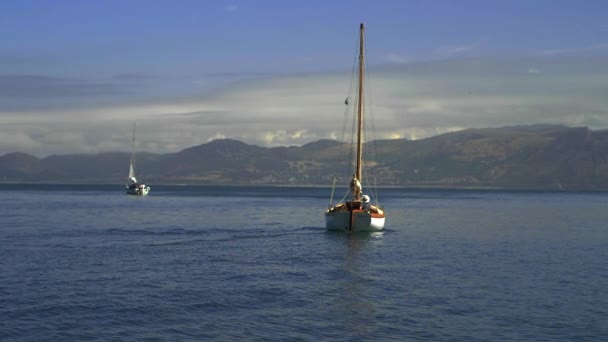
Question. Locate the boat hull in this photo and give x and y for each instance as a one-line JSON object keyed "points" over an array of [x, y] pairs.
{"points": [[138, 191], [354, 221]]}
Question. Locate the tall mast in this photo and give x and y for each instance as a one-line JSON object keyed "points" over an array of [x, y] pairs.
{"points": [[133, 146], [358, 172]]}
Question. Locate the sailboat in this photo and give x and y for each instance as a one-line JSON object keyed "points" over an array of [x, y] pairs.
{"points": [[133, 187], [355, 213]]}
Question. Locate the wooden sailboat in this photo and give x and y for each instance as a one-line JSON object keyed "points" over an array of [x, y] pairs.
{"points": [[133, 187], [355, 212]]}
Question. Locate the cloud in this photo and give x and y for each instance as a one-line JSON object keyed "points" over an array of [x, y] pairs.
{"points": [[395, 58], [18, 140], [575, 50], [11, 60], [412, 101], [26, 92], [457, 50], [216, 136], [133, 77], [287, 137], [29, 86]]}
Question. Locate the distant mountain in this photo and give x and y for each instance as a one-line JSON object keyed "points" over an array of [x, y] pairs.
{"points": [[525, 157]]}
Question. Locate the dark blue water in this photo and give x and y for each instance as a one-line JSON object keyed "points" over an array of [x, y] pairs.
{"points": [[217, 263]]}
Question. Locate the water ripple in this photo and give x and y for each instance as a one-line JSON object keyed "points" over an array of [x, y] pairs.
{"points": [[471, 266]]}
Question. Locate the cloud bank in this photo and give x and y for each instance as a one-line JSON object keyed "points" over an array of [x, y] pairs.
{"points": [[45, 115]]}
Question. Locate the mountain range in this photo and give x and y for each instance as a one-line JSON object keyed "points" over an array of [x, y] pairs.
{"points": [[514, 157]]}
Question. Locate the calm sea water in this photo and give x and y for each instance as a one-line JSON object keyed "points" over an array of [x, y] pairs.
{"points": [[238, 263]]}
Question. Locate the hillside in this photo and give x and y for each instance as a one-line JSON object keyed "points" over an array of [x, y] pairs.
{"points": [[529, 157]]}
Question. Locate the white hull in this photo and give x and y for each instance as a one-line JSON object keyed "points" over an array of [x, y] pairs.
{"points": [[138, 191], [361, 221]]}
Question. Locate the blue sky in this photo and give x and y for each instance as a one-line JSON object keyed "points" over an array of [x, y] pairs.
{"points": [[75, 74]]}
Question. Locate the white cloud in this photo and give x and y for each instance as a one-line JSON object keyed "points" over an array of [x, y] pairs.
{"points": [[413, 101], [395, 58], [286, 137], [575, 50], [17, 141], [216, 136], [425, 106], [450, 51], [419, 133]]}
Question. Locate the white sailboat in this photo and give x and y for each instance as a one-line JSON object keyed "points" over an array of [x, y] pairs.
{"points": [[133, 187], [355, 213]]}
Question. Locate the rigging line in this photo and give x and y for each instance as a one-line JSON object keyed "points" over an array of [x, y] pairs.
{"points": [[343, 162], [354, 89], [355, 79], [371, 145], [350, 164], [345, 195], [333, 188], [373, 150], [340, 156], [352, 145], [339, 160], [353, 70], [343, 142], [133, 149], [371, 106], [372, 191]]}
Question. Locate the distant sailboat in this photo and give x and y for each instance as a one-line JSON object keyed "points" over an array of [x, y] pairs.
{"points": [[133, 187], [355, 212]]}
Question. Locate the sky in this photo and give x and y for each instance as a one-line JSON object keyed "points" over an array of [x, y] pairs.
{"points": [[75, 75]]}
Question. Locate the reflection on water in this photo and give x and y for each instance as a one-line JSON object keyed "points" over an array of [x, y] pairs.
{"points": [[354, 305], [227, 263]]}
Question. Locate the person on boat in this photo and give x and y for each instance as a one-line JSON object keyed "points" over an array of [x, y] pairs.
{"points": [[355, 185], [133, 183], [366, 204]]}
